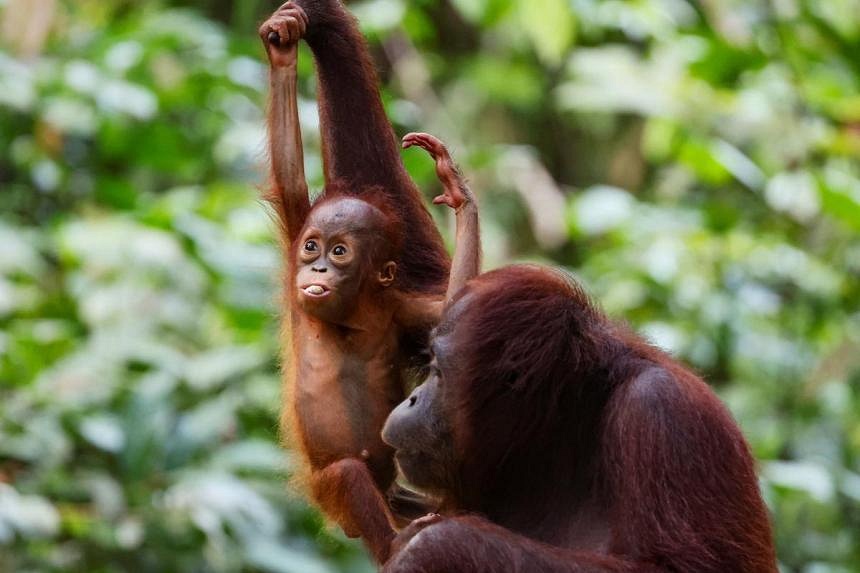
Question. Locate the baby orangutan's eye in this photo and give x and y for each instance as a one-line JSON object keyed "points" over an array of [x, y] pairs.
{"points": [[311, 246], [339, 251]]}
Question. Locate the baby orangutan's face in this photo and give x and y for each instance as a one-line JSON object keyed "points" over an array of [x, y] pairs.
{"points": [[337, 258]]}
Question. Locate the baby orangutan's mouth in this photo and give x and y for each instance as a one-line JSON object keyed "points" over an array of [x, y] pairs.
{"points": [[316, 290]]}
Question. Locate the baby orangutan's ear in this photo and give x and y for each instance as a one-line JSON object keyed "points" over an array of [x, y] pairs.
{"points": [[387, 274]]}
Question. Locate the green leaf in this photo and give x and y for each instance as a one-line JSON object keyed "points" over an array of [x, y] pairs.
{"points": [[551, 27]]}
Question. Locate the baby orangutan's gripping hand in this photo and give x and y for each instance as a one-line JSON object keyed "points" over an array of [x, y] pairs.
{"points": [[281, 34]]}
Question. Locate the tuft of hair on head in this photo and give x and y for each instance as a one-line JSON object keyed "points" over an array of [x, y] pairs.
{"points": [[530, 338], [426, 267], [529, 316]]}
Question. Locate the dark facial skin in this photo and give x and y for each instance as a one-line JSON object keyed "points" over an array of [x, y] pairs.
{"points": [[338, 258], [419, 429]]}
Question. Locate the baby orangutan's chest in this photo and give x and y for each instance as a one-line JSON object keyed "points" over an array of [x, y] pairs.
{"points": [[342, 396]]}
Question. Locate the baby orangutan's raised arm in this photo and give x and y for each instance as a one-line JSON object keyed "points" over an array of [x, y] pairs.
{"points": [[457, 195], [288, 192]]}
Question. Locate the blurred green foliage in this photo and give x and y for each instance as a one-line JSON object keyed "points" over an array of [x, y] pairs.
{"points": [[697, 165]]}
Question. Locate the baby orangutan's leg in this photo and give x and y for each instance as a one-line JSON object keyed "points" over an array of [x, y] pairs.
{"points": [[348, 494]]}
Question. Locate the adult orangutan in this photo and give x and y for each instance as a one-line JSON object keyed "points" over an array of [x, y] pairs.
{"points": [[562, 442], [367, 271]]}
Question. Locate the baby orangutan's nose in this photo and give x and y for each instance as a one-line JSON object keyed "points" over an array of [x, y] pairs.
{"points": [[318, 269]]}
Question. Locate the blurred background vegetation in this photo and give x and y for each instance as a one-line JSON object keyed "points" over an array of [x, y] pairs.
{"points": [[696, 164]]}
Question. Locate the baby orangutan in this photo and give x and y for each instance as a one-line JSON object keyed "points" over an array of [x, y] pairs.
{"points": [[359, 305]]}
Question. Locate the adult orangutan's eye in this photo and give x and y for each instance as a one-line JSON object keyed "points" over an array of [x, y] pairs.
{"points": [[311, 246], [339, 251]]}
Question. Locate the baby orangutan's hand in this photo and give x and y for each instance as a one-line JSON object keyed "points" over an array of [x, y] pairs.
{"points": [[281, 34], [456, 194]]}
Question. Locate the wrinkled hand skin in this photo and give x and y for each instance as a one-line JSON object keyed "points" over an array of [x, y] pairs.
{"points": [[281, 34], [456, 194], [407, 533]]}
